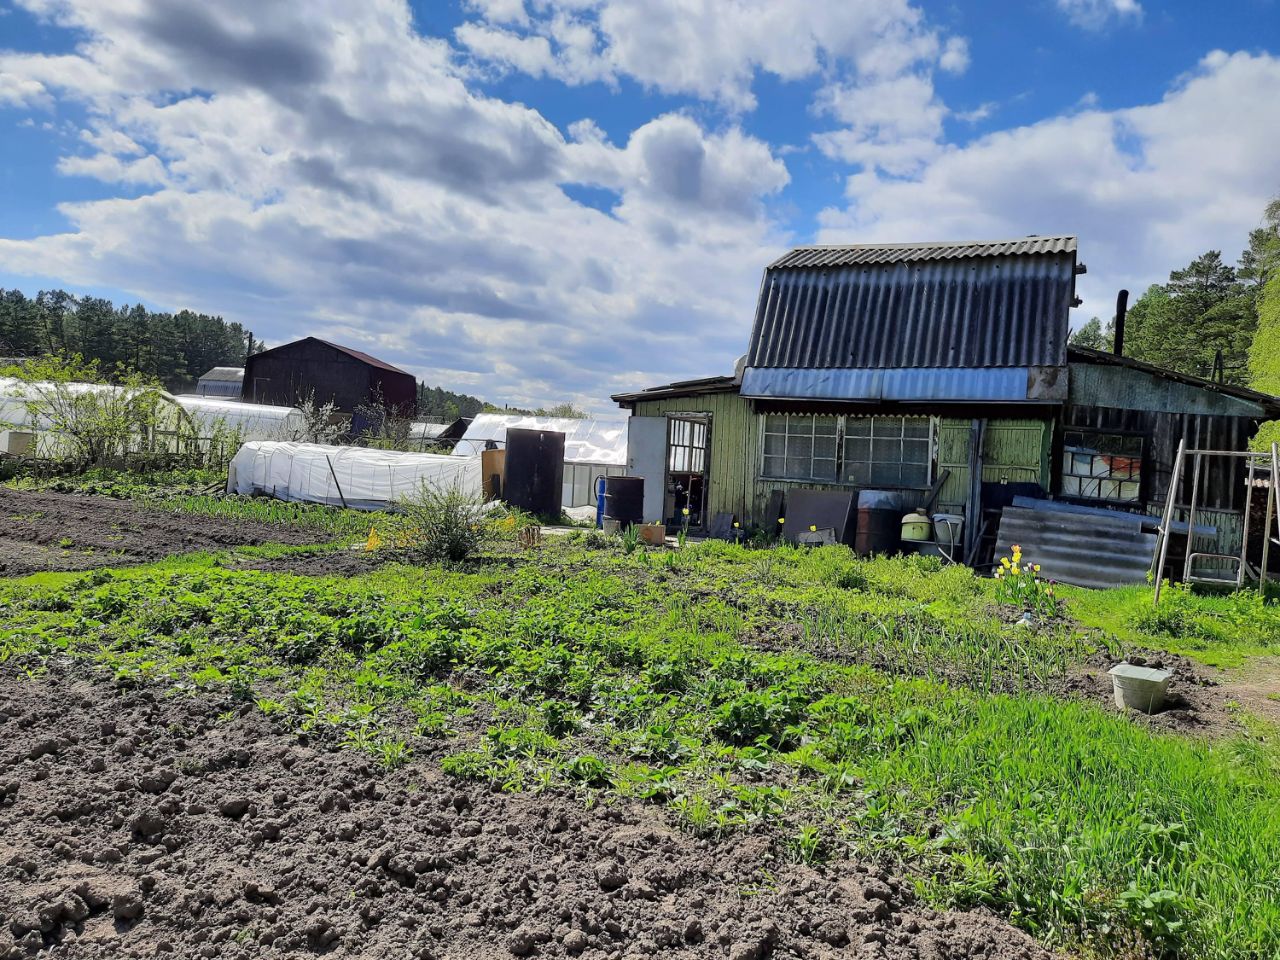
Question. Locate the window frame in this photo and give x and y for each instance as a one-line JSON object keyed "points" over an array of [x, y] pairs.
{"points": [[1065, 475], [840, 477]]}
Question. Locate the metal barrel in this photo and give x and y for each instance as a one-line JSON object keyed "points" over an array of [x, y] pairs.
{"points": [[624, 500], [879, 522]]}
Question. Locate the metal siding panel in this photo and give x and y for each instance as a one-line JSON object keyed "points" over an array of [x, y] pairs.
{"points": [[998, 384]]}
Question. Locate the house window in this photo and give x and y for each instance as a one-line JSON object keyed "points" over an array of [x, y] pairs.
{"points": [[887, 451], [798, 447], [860, 451], [1102, 466]]}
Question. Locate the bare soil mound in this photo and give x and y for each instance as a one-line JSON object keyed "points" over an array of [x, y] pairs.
{"points": [[60, 531], [134, 824]]}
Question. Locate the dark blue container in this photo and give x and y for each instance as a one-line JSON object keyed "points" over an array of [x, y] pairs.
{"points": [[600, 502]]}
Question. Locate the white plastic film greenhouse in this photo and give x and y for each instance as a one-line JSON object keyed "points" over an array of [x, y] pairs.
{"points": [[346, 476], [592, 448], [248, 421]]}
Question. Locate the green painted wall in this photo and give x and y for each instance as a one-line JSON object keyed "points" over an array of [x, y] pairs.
{"points": [[734, 445], [1016, 450]]}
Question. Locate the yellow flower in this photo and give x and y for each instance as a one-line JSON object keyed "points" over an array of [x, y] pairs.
{"points": [[736, 524], [782, 519], [999, 574], [374, 540], [685, 511], [813, 528], [1048, 591], [1036, 567], [1004, 562], [1015, 569]]}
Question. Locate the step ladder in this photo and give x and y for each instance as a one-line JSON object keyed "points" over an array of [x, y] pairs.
{"points": [[1268, 462]]}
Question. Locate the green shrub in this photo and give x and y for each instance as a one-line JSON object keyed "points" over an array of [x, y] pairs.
{"points": [[444, 524]]}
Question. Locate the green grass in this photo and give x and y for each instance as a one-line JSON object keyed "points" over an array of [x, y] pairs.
{"points": [[1222, 630], [733, 688]]}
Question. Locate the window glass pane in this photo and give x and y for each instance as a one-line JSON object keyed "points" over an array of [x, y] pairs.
{"points": [[824, 470], [889, 474], [857, 427], [824, 447], [774, 445], [887, 427], [799, 447], [915, 451], [858, 473], [798, 468], [857, 449], [1102, 466], [775, 423], [915, 474], [916, 427], [774, 467], [824, 426]]}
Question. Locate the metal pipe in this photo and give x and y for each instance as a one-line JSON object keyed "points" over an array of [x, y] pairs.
{"points": [[1191, 517], [1244, 535], [1273, 491], [1122, 310], [1162, 549]]}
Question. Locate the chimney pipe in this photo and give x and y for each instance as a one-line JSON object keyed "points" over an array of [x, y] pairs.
{"points": [[1122, 307]]}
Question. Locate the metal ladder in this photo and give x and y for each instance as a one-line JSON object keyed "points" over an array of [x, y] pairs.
{"points": [[1270, 462]]}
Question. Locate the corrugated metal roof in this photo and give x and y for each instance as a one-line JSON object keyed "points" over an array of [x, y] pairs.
{"points": [[1266, 401], [989, 311], [843, 255], [681, 388]]}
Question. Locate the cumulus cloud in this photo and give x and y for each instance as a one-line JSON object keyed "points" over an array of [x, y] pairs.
{"points": [[1096, 14], [1137, 185], [357, 186]]}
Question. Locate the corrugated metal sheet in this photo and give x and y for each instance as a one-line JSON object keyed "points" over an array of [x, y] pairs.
{"points": [[995, 384], [1086, 551], [1128, 388], [972, 312], [841, 255]]}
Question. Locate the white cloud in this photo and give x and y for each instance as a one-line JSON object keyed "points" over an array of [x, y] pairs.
{"points": [[1145, 188], [347, 181], [712, 49], [1096, 14]]}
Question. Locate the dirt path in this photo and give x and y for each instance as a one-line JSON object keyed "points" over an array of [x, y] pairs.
{"points": [[59, 531], [135, 825]]}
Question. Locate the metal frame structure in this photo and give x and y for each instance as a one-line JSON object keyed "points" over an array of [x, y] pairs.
{"points": [[1252, 459]]}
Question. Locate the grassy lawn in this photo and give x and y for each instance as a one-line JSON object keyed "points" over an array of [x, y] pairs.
{"points": [[882, 709]]}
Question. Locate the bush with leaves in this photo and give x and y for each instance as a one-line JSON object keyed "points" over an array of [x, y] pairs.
{"points": [[445, 523]]}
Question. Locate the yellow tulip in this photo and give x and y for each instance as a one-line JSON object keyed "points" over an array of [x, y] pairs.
{"points": [[1036, 568], [1004, 562], [1015, 568]]}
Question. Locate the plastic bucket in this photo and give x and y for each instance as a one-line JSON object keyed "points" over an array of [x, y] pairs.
{"points": [[916, 527], [947, 528]]}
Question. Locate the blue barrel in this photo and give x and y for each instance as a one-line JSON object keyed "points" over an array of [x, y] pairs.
{"points": [[600, 502]]}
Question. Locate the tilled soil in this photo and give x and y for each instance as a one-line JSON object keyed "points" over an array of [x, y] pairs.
{"points": [[139, 824], [60, 531]]}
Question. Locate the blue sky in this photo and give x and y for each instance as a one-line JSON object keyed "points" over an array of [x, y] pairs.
{"points": [[563, 198]]}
